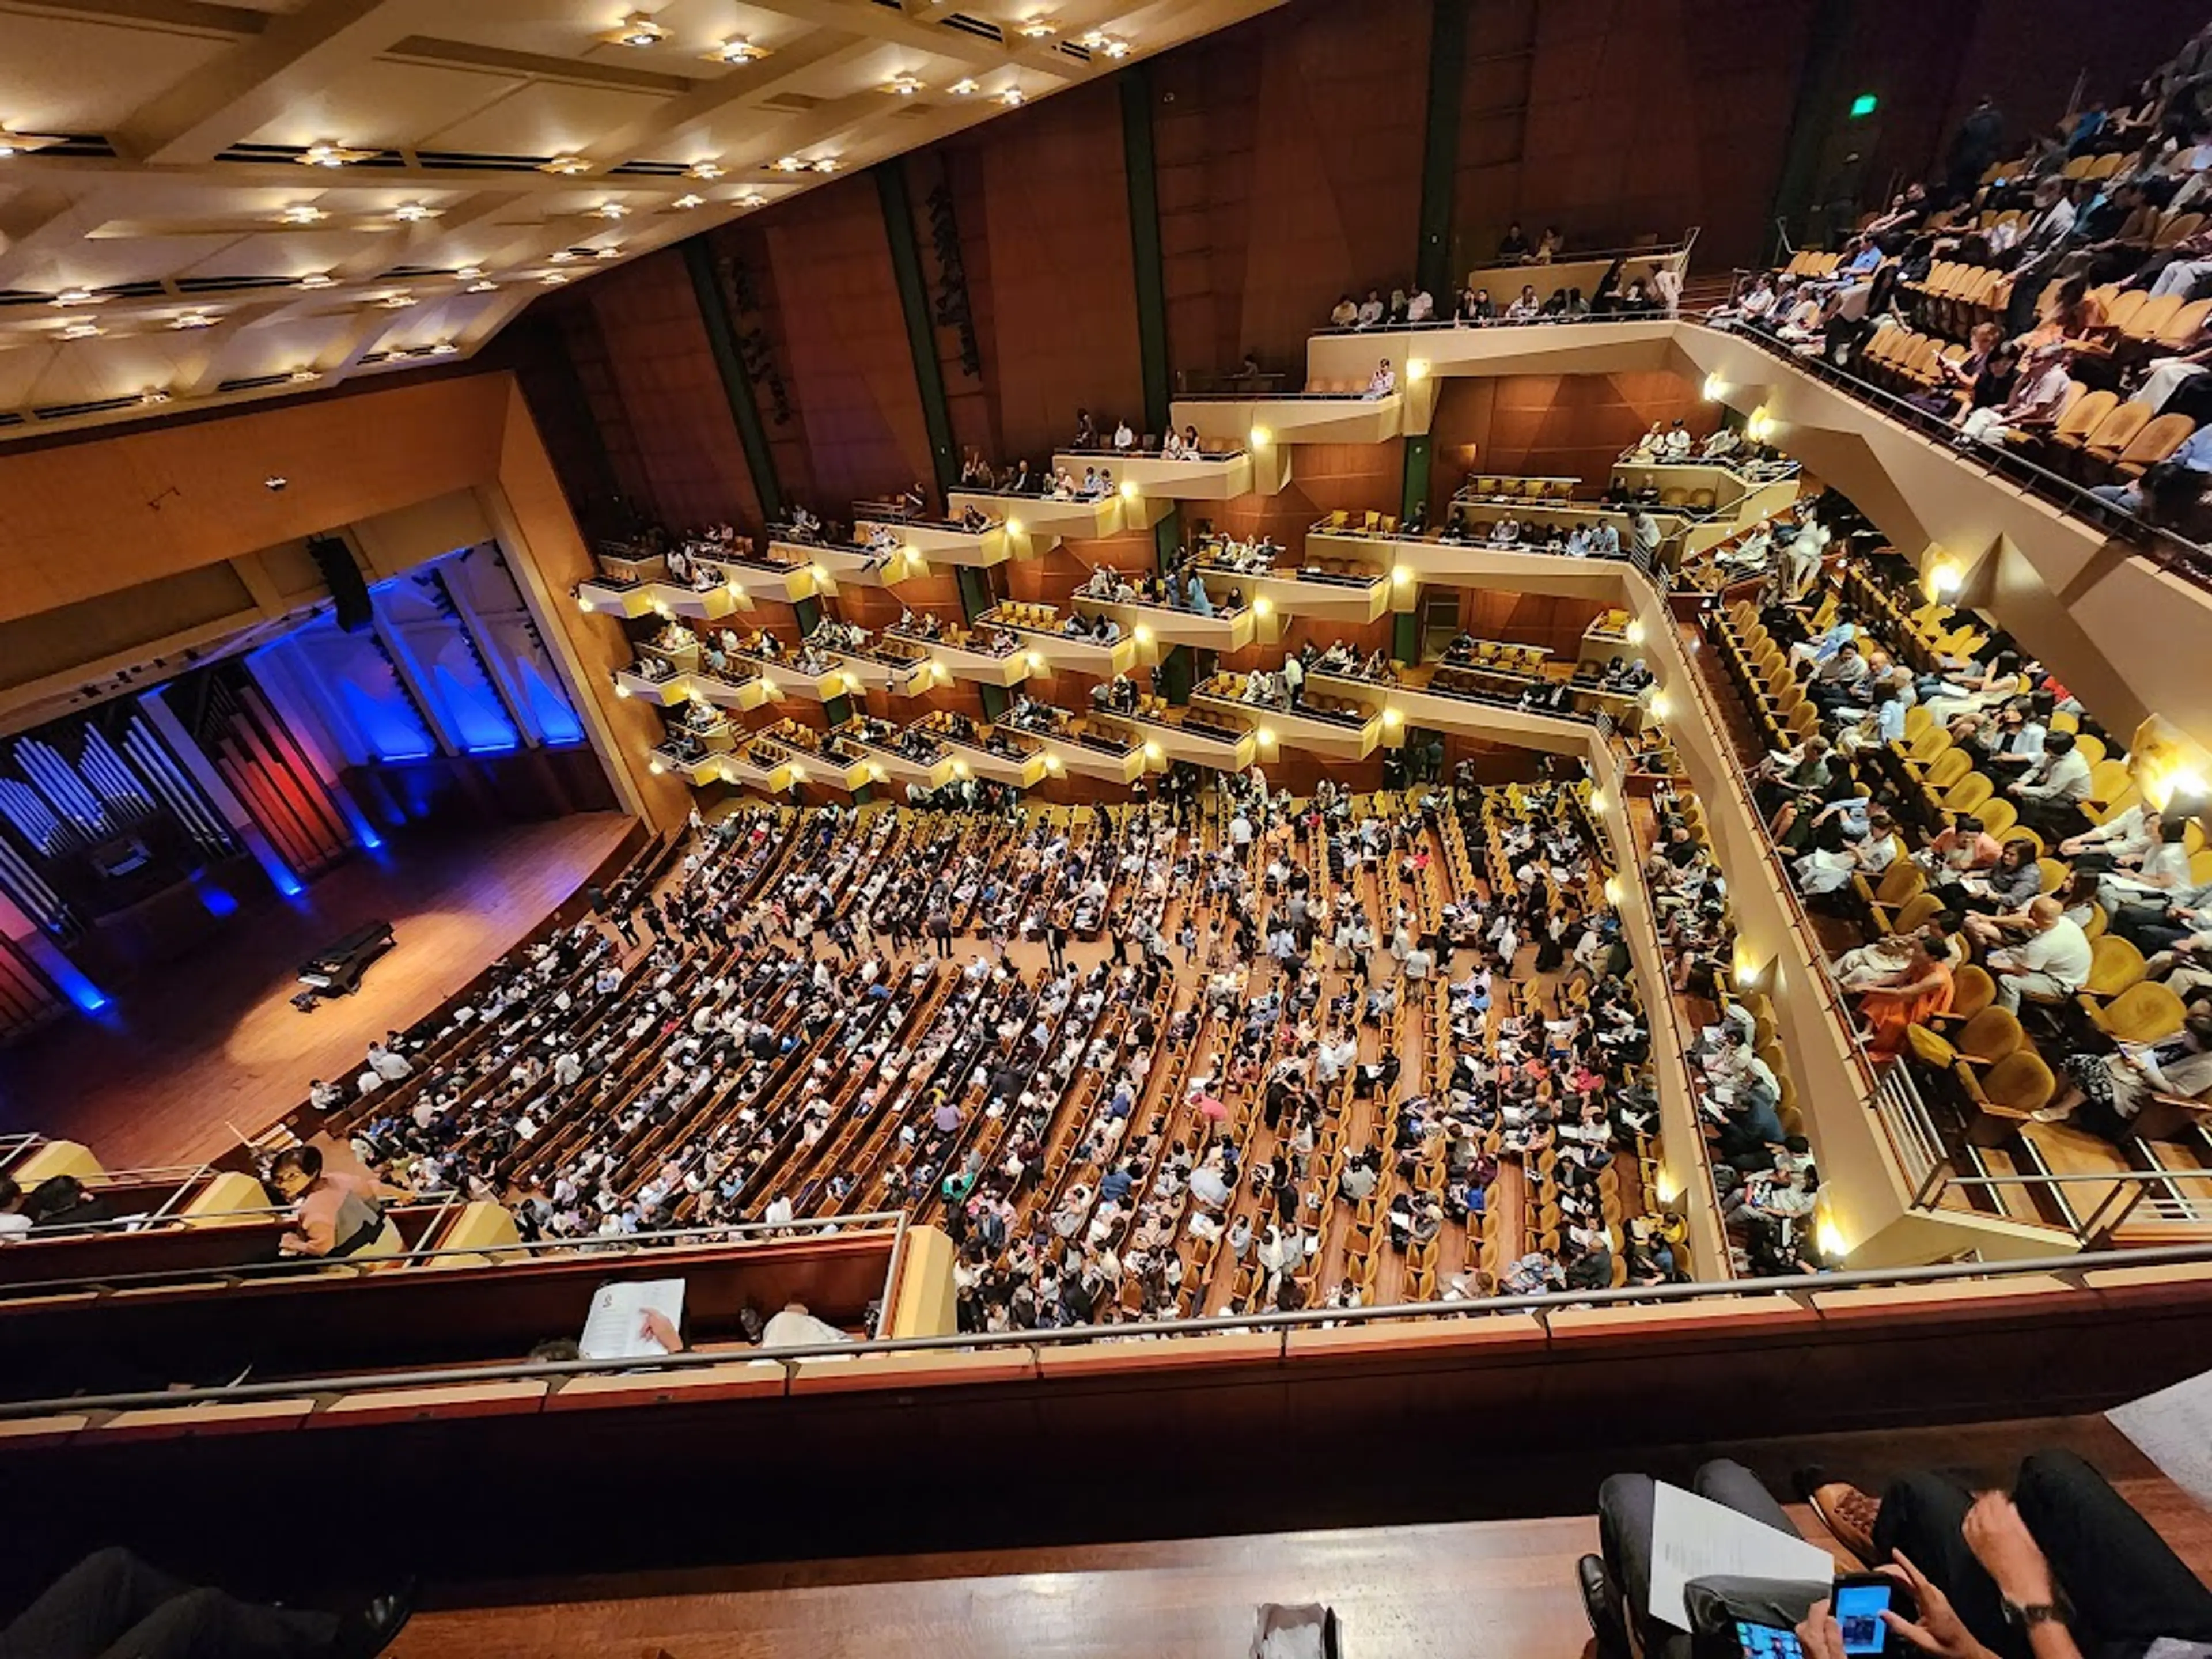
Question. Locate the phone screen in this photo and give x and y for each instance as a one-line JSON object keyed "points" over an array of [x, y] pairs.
{"points": [[1859, 1612], [1765, 1642]]}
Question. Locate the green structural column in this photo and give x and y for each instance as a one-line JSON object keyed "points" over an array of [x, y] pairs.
{"points": [[920, 336], [995, 701], [1440, 148], [737, 385], [1822, 83], [1176, 674], [1406, 636], [1140, 166], [976, 595]]}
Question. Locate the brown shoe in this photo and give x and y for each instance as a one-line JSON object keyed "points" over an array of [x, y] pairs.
{"points": [[1848, 1513]]}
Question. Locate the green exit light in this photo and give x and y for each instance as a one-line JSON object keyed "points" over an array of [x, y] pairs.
{"points": [[1863, 105]]}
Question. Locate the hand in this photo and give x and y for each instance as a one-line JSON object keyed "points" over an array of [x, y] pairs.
{"points": [[1820, 1635], [1939, 1631], [2008, 1550]]}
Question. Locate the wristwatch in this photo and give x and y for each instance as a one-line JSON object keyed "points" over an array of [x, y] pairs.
{"points": [[2029, 1616]]}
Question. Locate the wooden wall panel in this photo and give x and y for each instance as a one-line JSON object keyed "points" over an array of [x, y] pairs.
{"points": [[1323, 477], [671, 395], [1621, 119], [1556, 425], [1054, 215], [1290, 152], [842, 336], [952, 180]]}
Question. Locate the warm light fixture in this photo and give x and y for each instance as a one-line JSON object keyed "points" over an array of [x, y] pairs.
{"points": [[328, 154], [319, 279], [1036, 29], [561, 256], [1152, 752], [1945, 578], [1129, 489], [567, 167], [1613, 890], [612, 250], [1143, 635], [1052, 762], [1117, 48], [963, 87], [1263, 607], [1597, 800], [482, 285], [154, 394], [1013, 526], [1260, 437], [304, 376], [787, 164], [1716, 388], [81, 331], [1635, 632], [708, 171], [413, 213], [736, 49], [395, 301], [748, 199], [635, 30], [1660, 708], [1416, 368], [687, 203], [902, 85], [611, 210], [554, 279], [1393, 717], [193, 320], [1013, 98], [302, 213], [77, 296], [444, 349], [470, 273], [1266, 736], [13, 143]]}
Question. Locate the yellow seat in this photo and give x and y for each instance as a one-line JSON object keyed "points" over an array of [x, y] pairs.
{"points": [[2014, 1090], [2146, 1011], [1986, 1039]]}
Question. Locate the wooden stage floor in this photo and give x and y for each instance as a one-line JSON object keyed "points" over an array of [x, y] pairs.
{"points": [[199, 1050], [1463, 1590]]}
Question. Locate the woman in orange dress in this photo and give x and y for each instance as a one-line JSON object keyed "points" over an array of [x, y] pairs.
{"points": [[1922, 987]]}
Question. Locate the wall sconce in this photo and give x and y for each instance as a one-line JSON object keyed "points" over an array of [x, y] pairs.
{"points": [[1714, 388]]}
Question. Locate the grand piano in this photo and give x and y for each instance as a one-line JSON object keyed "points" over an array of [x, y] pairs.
{"points": [[335, 969]]}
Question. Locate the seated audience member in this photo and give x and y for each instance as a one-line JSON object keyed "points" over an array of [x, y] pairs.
{"points": [[1383, 381], [1526, 307], [2050, 963], [2036, 402], [1513, 246], [1370, 310], [113, 1605], [1345, 313]]}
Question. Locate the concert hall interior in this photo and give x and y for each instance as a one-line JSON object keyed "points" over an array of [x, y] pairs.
{"points": [[767, 766]]}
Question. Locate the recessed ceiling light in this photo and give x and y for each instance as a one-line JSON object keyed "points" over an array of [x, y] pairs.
{"points": [[688, 202], [328, 154], [13, 143], [444, 349], [566, 165], [554, 279], [709, 171], [787, 164], [560, 256], [154, 394], [413, 213], [77, 296], [612, 251], [902, 85], [825, 164], [395, 301], [194, 320], [470, 273], [81, 331], [736, 49], [748, 199], [1036, 29], [1114, 47], [611, 210], [482, 285], [635, 30], [302, 213], [319, 279], [963, 87], [302, 376], [1013, 98]]}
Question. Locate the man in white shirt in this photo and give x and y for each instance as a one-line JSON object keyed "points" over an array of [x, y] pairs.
{"points": [[1383, 381], [1123, 437], [388, 1066], [1371, 309], [14, 1224], [2054, 787], [1422, 308], [795, 1327], [2052, 962]]}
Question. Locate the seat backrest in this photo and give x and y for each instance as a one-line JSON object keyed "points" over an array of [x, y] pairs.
{"points": [[2151, 316], [2181, 328], [2146, 1011], [2089, 746], [1971, 991], [1969, 792], [2021, 1081], [2118, 429], [1917, 912], [2157, 440], [2114, 964], [2107, 778], [2122, 310], [2083, 414], [1991, 1034], [1900, 882]]}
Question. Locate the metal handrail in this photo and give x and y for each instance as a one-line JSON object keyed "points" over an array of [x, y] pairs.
{"points": [[1798, 1285]]}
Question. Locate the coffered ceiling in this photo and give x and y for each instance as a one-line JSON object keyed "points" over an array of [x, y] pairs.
{"points": [[204, 202]]}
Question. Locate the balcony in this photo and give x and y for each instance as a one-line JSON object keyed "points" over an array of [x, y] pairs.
{"points": [[1325, 723], [911, 755], [1316, 415], [1214, 738], [967, 654], [1470, 564], [1411, 701], [697, 767], [766, 577], [1590, 346], [1147, 484], [885, 665], [936, 542], [739, 686], [832, 563], [652, 680], [1047, 649], [610, 596], [810, 755], [1002, 753], [1033, 523], [1073, 744], [1326, 589], [1152, 625]]}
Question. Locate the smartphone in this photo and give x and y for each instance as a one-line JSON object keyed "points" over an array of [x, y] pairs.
{"points": [[1857, 1603], [1766, 1641]]}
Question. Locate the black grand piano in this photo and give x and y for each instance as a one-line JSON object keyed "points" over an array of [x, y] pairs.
{"points": [[335, 969]]}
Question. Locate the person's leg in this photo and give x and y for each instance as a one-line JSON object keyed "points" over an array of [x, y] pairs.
{"points": [[1923, 1518], [1735, 1487], [89, 1607], [206, 1623], [2126, 1585], [1624, 1529]]}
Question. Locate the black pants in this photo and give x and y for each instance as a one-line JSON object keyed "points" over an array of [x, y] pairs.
{"points": [[2127, 1587], [1623, 1524], [113, 1606]]}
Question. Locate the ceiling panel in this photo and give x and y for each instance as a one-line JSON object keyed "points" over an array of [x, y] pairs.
{"points": [[544, 118], [66, 74], [380, 105]]}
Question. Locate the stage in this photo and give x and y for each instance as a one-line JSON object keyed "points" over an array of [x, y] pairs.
{"points": [[208, 1048]]}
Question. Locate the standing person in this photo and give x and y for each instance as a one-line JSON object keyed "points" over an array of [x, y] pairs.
{"points": [[940, 931], [333, 1213]]}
